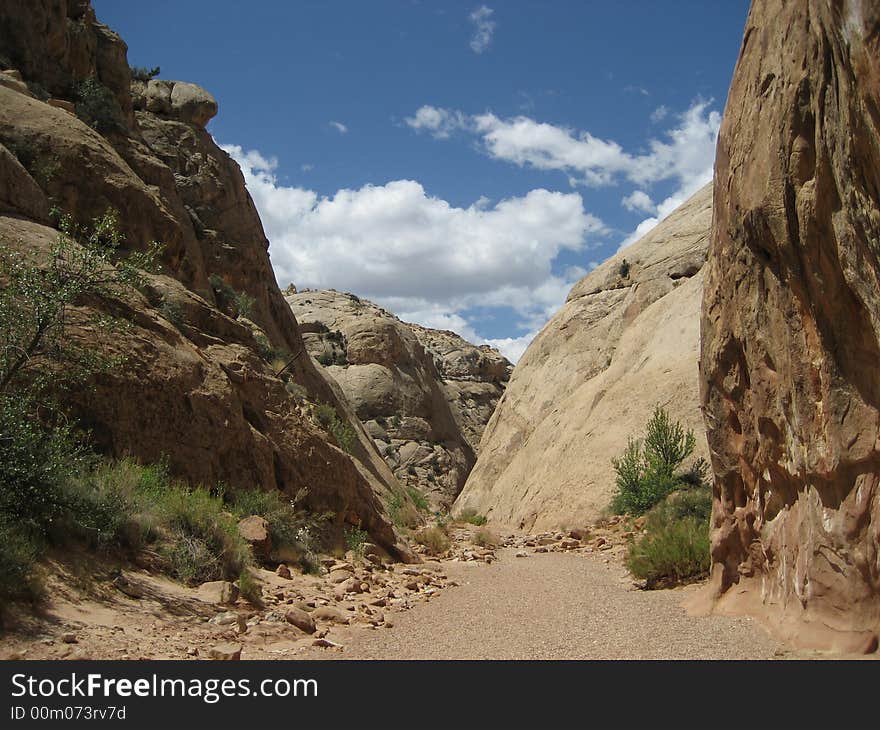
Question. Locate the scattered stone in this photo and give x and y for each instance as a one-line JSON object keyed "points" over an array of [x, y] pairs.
{"points": [[218, 592], [69, 638], [227, 618], [329, 613], [226, 652], [326, 643], [299, 618], [521, 555], [283, 571]]}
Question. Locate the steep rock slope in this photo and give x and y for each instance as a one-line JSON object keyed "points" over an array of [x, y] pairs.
{"points": [[791, 325], [194, 387], [626, 339], [424, 395]]}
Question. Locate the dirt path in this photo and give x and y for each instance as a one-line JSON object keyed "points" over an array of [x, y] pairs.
{"points": [[553, 606]]}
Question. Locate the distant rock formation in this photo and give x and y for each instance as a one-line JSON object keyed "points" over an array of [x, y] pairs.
{"points": [[791, 325], [424, 395], [626, 340], [195, 385]]}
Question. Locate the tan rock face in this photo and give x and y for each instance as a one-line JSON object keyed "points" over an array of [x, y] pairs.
{"points": [[424, 395], [791, 324], [195, 385], [626, 340]]}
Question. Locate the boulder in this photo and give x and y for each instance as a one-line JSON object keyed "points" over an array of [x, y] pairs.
{"points": [[218, 592], [226, 652], [192, 104], [301, 619], [255, 531]]}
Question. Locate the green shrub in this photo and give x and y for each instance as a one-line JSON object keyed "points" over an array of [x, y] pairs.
{"points": [[356, 539], [485, 538], [18, 557], [341, 431], [97, 107], [403, 513], [243, 304], [471, 517], [418, 499], [172, 311], [142, 73], [293, 530], [250, 589], [675, 553], [646, 471]]}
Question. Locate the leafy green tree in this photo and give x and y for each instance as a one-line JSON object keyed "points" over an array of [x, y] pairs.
{"points": [[647, 469]]}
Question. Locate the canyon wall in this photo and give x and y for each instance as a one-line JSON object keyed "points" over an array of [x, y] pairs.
{"points": [[791, 326], [626, 339]]}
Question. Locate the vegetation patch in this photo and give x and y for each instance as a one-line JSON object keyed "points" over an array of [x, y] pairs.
{"points": [[650, 469], [341, 431], [471, 517], [434, 539]]}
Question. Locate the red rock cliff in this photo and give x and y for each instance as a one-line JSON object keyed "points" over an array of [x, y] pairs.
{"points": [[791, 325]]}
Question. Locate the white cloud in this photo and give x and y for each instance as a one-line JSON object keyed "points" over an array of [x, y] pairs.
{"points": [[307, 167], [418, 255], [339, 127], [684, 156], [659, 114], [484, 27], [440, 123], [639, 200], [687, 151], [512, 347]]}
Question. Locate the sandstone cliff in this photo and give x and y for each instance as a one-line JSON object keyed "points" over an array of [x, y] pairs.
{"points": [[424, 395], [791, 325], [195, 385], [627, 339]]}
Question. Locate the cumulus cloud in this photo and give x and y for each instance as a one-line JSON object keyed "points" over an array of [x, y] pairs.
{"points": [[440, 123], [339, 127], [417, 255], [639, 201], [684, 155], [484, 27]]}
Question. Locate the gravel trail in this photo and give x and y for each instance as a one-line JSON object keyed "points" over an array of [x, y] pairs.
{"points": [[555, 606]]}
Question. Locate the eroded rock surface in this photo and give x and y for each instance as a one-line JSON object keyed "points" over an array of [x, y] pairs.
{"points": [[626, 340], [424, 395], [196, 385], [791, 325]]}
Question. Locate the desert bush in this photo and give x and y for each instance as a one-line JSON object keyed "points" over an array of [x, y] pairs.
{"points": [[243, 303], [18, 556], [403, 512], [646, 471], [675, 553], [341, 431], [97, 107], [485, 538], [41, 451], [293, 529], [250, 589], [418, 499], [471, 517], [433, 538], [142, 73], [172, 311], [356, 539]]}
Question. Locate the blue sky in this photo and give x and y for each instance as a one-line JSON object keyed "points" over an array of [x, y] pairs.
{"points": [[461, 163]]}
